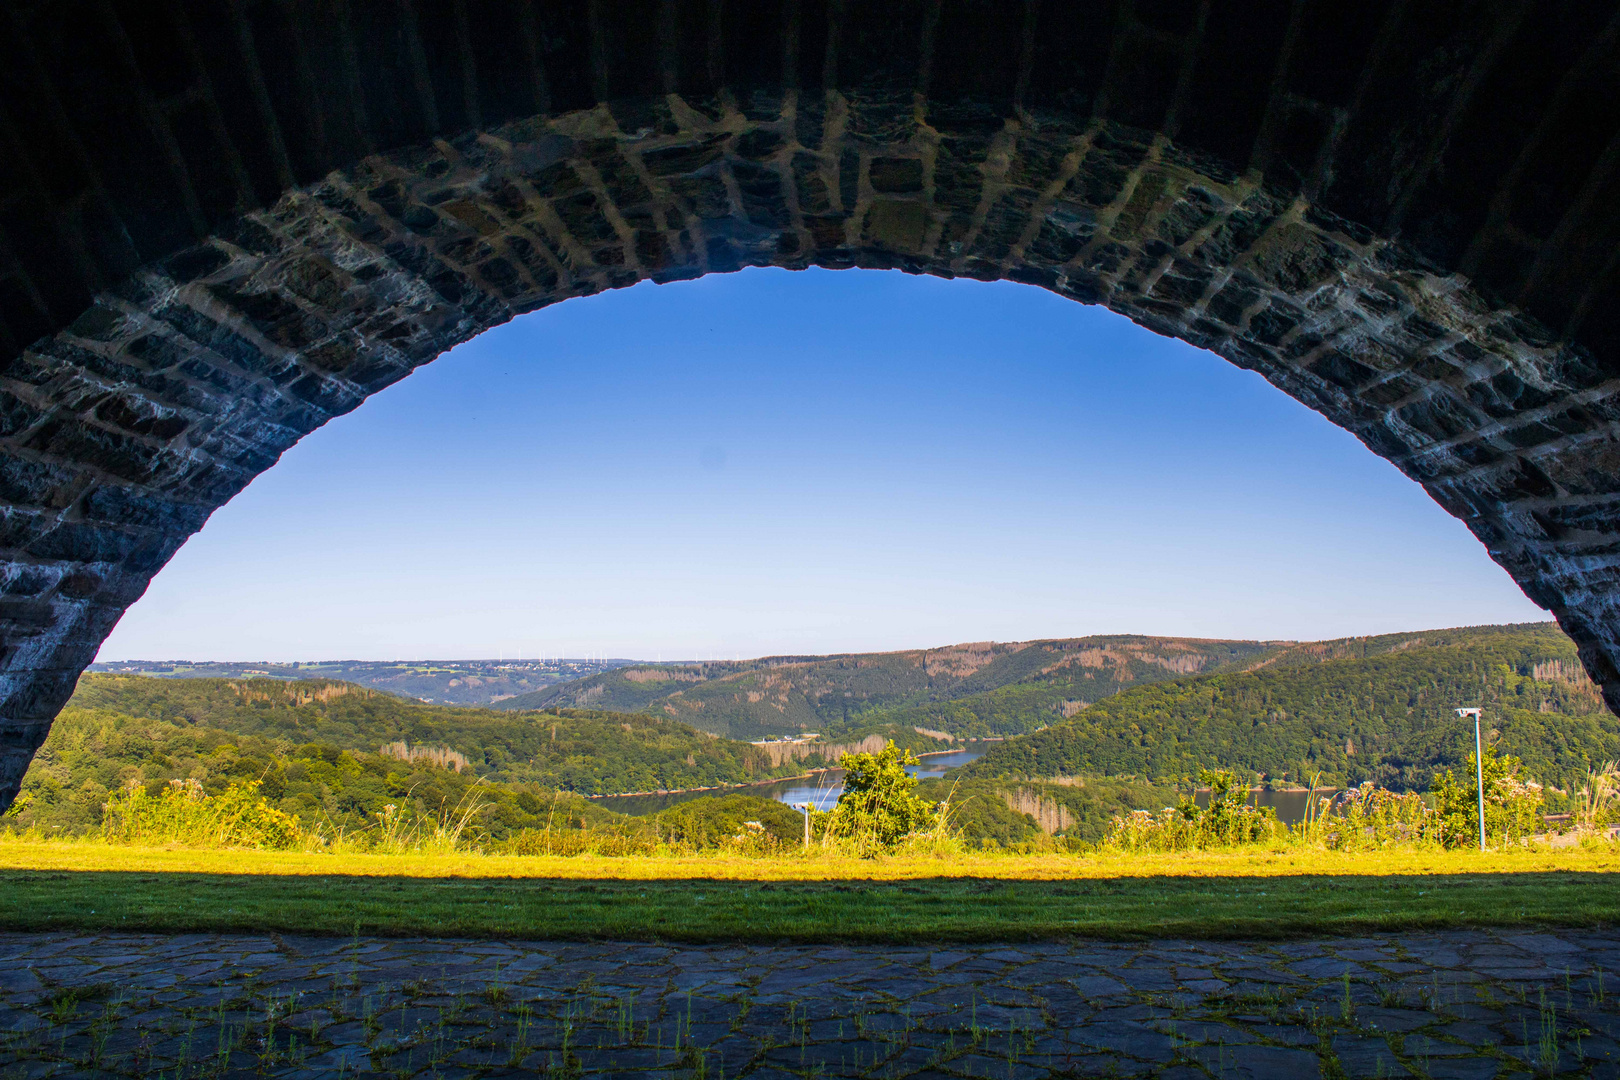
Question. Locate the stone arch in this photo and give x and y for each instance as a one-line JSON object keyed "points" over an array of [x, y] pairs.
{"points": [[227, 223]]}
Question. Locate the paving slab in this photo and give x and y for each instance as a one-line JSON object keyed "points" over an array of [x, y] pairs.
{"points": [[1465, 1006]]}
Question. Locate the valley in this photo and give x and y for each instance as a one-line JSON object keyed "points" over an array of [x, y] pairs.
{"points": [[1041, 681], [1036, 739], [436, 682]]}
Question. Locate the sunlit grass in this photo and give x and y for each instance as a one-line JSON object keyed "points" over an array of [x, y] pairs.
{"points": [[96, 886], [21, 854]]}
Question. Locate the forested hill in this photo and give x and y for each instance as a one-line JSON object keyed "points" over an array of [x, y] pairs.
{"points": [[214, 734], [1385, 712], [1052, 695], [577, 750], [774, 695], [972, 690]]}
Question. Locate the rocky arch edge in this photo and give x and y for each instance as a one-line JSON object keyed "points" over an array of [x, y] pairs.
{"points": [[121, 434]]}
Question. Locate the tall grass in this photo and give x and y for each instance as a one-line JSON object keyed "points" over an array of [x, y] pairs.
{"points": [[181, 813], [1228, 821], [1364, 819], [399, 830], [1360, 819], [1368, 818], [1598, 800]]}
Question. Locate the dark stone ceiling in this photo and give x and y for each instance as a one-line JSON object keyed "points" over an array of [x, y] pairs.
{"points": [[224, 222]]}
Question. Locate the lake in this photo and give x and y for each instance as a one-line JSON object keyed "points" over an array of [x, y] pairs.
{"points": [[822, 789], [1290, 805]]}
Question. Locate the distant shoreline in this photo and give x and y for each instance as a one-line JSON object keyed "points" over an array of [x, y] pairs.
{"points": [[715, 787], [761, 783]]}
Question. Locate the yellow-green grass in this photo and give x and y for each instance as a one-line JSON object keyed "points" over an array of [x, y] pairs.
{"points": [[99, 887]]}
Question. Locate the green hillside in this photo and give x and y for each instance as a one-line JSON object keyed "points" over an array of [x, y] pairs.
{"points": [[1050, 695], [590, 752], [314, 748], [340, 792], [779, 695], [968, 691], [1377, 709]]}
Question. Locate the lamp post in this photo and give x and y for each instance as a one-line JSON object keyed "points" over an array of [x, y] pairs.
{"points": [[1479, 768], [804, 808]]}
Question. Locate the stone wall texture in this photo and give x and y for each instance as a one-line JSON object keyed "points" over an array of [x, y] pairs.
{"points": [[225, 222]]}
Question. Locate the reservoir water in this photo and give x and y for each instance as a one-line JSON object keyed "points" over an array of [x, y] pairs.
{"points": [[822, 789], [1290, 805]]}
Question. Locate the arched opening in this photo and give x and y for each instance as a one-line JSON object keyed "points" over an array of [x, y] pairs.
{"points": [[1401, 221], [773, 463]]}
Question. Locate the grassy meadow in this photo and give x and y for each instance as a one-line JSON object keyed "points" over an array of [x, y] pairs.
{"points": [[1249, 893], [192, 805]]}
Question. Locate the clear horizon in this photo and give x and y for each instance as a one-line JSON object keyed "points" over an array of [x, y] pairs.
{"points": [[712, 659], [775, 463]]}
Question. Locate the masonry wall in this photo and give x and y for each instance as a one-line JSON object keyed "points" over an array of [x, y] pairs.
{"points": [[224, 224]]}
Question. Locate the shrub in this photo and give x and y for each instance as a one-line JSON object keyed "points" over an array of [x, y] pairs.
{"points": [[1367, 818], [1228, 821], [1512, 804], [880, 806], [735, 823], [180, 813]]}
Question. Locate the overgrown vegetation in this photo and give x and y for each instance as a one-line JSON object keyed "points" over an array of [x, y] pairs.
{"points": [[1369, 818], [180, 813], [483, 820], [720, 824], [1143, 879], [1364, 818], [1513, 802], [1227, 821]]}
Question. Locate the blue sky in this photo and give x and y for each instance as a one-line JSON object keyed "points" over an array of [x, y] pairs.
{"points": [[775, 462]]}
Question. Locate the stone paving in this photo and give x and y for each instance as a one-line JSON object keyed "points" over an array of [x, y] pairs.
{"points": [[1451, 1006]]}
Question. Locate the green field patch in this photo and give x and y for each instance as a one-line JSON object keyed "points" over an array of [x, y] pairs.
{"points": [[781, 900]]}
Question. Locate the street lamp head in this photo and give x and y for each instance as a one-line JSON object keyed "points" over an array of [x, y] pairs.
{"points": [[1468, 712]]}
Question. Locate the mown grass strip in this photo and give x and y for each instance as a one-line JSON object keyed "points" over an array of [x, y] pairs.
{"points": [[1210, 896]]}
